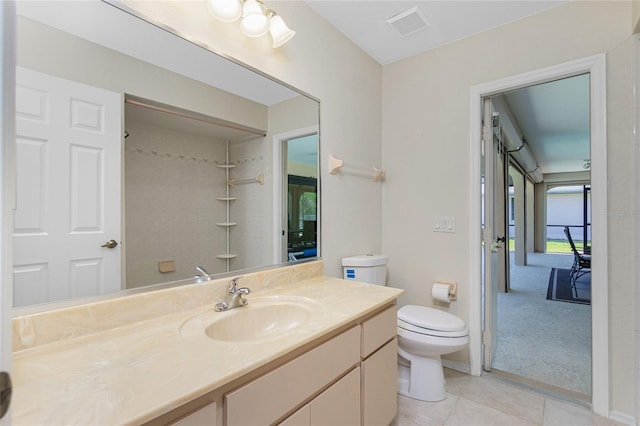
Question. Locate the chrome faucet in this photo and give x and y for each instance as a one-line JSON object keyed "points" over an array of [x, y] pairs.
{"points": [[234, 298], [203, 276]]}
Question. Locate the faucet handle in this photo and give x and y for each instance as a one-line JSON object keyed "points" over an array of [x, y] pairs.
{"points": [[232, 287]]}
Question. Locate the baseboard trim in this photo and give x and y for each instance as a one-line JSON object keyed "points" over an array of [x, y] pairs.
{"points": [[456, 365], [622, 418]]}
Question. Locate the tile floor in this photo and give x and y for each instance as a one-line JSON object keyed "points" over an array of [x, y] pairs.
{"points": [[486, 400]]}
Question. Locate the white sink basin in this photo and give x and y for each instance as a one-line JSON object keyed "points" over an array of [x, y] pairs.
{"points": [[264, 318]]}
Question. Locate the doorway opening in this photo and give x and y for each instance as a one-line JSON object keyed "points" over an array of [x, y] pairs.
{"points": [[296, 216], [543, 134], [484, 304]]}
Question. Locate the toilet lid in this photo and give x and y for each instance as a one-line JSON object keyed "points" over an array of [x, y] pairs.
{"points": [[430, 318]]}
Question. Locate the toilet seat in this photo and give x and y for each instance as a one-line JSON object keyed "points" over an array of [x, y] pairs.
{"points": [[431, 322]]}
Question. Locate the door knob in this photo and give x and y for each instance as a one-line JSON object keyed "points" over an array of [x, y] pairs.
{"points": [[110, 244], [498, 240], [5, 393]]}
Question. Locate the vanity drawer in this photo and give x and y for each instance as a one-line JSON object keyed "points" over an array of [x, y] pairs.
{"points": [[378, 330], [203, 416], [271, 396]]}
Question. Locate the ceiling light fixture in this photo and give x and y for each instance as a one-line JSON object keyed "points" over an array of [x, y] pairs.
{"points": [[280, 33], [257, 19], [225, 10]]}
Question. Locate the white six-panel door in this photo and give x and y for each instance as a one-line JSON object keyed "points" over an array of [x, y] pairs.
{"points": [[68, 138]]}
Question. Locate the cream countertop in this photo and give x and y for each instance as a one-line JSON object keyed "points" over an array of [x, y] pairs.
{"points": [[135, 373]]}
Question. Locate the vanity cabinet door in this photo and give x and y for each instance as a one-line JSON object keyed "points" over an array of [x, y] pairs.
{"points": [[379, 385], [302, 417], [340, 404], [205, 416], [271, 396]]}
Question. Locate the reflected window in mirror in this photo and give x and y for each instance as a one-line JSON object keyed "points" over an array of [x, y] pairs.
{"points": [[301, 175]]}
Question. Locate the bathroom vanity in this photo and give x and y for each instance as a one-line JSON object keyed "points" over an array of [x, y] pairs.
{"points": [[308, 349]]}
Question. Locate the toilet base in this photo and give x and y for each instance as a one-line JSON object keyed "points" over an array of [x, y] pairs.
{"points": [[423, 379]]}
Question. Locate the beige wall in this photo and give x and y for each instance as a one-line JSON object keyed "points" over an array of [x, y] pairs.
{"points": [[170, 203], [251, 238], [300, 169], [292, 115], [426, 154], [57, 53]]}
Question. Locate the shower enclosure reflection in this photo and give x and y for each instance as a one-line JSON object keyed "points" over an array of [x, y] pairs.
{"points": [[195, 159]]}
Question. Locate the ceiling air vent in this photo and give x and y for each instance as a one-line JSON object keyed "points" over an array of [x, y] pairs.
{"points": [[409, 21]]}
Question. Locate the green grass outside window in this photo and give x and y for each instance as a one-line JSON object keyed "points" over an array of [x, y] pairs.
{"points": [[553, 246]]}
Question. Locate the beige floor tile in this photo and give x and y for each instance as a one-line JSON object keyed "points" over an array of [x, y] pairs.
{"points": [[456, 381], [426, 413], [469, 413], [506, 398], [560, 413], [403, 421]]}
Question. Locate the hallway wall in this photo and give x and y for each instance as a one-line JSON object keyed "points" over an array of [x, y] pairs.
{"points": [[426, 151]]}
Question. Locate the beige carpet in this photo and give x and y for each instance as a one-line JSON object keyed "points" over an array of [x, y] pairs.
{"points": [[543, 340]]}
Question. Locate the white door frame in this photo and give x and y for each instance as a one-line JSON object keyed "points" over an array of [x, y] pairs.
{"points": [[637, 224], [7, 173], [278, 187], [596, 67]]}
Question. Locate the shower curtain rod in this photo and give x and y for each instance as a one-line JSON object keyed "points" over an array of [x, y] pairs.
{"points": [[194, 116]]}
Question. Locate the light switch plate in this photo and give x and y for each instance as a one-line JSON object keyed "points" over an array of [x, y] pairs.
{"points": [[444, 224]]}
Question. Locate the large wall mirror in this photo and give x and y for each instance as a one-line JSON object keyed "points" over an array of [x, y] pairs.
{"points": [[141, 156]]}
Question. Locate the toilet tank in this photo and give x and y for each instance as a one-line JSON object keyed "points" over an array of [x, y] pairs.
{"points": [[367, 268]]}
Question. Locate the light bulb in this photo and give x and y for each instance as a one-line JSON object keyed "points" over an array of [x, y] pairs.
{"points": [[279, 31], [225, 10], [254, 21]]}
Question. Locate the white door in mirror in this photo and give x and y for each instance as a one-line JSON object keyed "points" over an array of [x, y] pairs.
{"points": [[68, 139]]}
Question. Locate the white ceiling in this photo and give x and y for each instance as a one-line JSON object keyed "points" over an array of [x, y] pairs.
{"points": [[553, 117], [363, 21]]}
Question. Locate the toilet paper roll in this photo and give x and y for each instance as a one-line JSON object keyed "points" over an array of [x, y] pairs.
{"points": [[441, 292]]}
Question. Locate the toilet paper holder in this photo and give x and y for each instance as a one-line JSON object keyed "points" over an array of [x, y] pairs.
{"points": [[453, 288]]}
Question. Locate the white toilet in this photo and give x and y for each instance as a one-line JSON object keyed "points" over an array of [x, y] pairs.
{"points": [[424, 334]]}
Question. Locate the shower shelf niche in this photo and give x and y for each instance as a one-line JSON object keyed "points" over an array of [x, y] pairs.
{"points": [[227, 198]]}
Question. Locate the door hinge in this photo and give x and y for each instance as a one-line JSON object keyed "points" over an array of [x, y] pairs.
{"points": [[486, 338], [495, 120]]}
